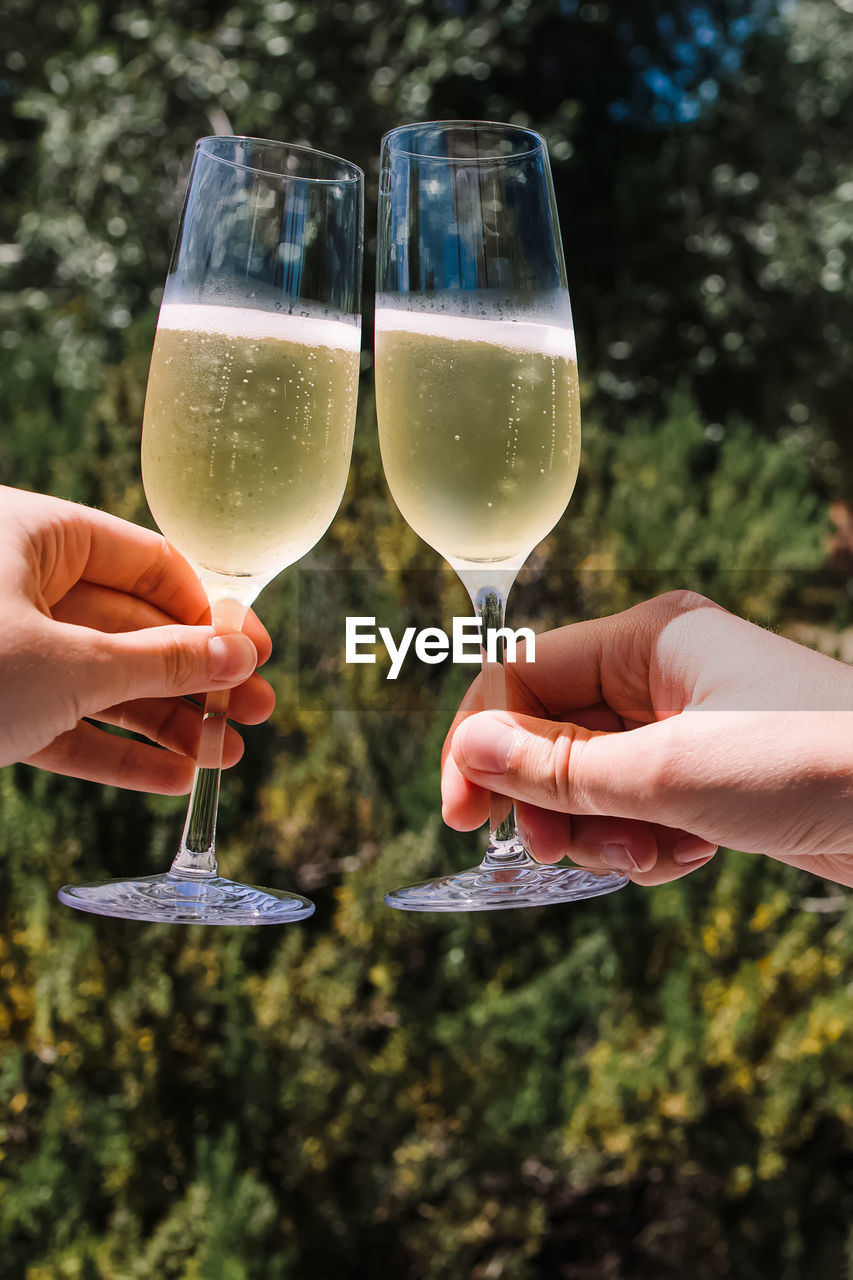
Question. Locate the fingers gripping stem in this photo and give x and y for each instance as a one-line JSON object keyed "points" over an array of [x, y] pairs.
{"points": [[490, 606], [197, 852]]}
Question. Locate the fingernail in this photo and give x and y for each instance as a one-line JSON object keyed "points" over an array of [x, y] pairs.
{"points": [[232, 657], [691, 849], [618, 858], [485, 744]]}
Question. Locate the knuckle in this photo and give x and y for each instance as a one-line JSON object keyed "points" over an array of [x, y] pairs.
{"points": [[561, 758], [180, 665], [683, 600], [169, 728], [153, 575], [549, 770], [580, 780], [659, 773], [124, 763]]}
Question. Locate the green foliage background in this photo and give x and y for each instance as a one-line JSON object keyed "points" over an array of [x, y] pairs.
{"points": [[629, 1088]]}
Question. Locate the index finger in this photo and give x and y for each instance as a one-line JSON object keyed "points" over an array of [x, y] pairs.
{"points": [[109, 610], [602, 662], [143, 564], [70, 543], [128, 558]]}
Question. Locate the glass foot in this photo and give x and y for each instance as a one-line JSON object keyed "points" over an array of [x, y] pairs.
{"points": [[490, 888], [175, 899]]}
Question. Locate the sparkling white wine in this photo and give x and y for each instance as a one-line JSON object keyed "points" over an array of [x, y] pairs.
{"points": [[479, 427], [247, 434]]}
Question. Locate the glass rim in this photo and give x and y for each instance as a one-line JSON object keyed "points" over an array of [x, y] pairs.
{"points": [[354, 175], [536, 141]]}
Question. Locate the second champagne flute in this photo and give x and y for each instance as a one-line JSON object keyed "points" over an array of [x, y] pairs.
{"points": [[478, 408], [246, 442]]}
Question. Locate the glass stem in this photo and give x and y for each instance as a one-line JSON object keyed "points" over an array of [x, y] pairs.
{"points": [[197, 854], [505, 849]]}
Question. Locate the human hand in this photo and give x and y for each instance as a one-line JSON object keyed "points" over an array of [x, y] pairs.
{"points": [[101, 619], [642, 741]]}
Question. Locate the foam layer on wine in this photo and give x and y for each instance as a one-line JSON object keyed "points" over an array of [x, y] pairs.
{"points": [[513, 334], [257, 324]]}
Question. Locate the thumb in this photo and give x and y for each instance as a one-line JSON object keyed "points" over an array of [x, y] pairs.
{"points": [[564, 766], [156, 662]]}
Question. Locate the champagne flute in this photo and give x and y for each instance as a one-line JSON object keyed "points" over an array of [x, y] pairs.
{"points": [[478, 409], [247, 436]]}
